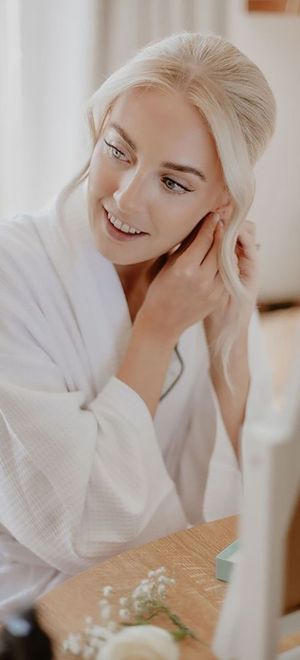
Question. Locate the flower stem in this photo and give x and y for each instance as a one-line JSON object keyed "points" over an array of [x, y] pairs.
{"points": [[183, 631]]}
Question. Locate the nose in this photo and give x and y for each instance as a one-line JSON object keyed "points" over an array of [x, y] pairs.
{"points": [[130, 195]]}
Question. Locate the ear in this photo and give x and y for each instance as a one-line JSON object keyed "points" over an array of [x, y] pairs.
{"points": [[225, 206]]}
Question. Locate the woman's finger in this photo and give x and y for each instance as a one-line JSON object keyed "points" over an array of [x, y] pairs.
{"points": [[210, 264], [246, 246], [197, 250], [246, 235]]}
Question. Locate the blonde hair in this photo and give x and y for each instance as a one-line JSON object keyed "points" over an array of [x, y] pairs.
{"points": [[232, 94]]}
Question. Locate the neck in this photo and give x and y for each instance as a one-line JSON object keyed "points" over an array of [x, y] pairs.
{"points": [[139, 275]]}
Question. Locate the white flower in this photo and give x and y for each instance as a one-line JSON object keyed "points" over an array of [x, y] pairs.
{"points": [[138, 607], [105, 611], [141, 591], [107, 591], [161, 590], [72, 644], [98, 631], [124, 614], [142, 643]]}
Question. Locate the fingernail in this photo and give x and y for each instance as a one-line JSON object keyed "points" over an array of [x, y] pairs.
{"points": [[216, 218]]}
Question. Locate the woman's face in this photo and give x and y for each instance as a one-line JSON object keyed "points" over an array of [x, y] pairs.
{"points": [[154, 170]]}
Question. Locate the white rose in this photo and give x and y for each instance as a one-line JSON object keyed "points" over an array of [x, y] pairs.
{"points": [[140, 643]]}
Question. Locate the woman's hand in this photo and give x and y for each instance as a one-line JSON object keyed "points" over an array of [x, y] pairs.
{"points": [[247, 264], [189, 287], [233, 406]]}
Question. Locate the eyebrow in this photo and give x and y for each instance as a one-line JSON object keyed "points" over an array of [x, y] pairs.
{"points": [[173, 166]]}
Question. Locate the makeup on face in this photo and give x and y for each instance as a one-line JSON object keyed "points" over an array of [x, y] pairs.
{"points": [[153, 175]]}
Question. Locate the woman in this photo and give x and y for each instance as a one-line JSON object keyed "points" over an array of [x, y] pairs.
{"points": [[126, 379]]}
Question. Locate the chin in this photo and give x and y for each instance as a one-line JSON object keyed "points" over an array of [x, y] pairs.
{"points": [[118, 256], [121, 260]]}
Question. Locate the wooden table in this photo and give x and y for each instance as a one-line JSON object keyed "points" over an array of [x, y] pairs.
{"points": [[188, 556]]}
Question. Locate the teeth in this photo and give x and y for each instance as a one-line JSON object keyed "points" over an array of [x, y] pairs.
{"points": [[122, 226]]}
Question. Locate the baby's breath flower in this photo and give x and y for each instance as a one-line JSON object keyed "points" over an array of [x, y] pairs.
{"points": [[136, 593], [72, 644], [97, 643], [87, 651], [98, 631], [124, 614], [160, 570], [161, 590], [107, 591], [105, 612], [138, 607], [141, 590], [145, 601]]}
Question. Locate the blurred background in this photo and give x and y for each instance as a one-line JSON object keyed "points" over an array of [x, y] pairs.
{"points": [[53, 55]]}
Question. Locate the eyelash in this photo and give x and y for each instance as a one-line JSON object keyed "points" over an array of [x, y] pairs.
{"points": [[113, 149]]}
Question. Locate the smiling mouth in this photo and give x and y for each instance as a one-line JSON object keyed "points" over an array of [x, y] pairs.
{"points": [[124, 235]]}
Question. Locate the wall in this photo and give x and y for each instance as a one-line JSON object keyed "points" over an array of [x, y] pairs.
{"points": [[66, 48], [273, 42]]}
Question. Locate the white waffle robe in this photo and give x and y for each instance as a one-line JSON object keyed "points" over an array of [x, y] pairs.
{"points": [[85, 472]]}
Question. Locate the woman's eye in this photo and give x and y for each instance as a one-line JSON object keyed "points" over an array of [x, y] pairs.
{"points": [[173, 186], [116, 153]]}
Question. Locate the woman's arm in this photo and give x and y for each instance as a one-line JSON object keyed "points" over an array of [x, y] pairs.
{"points": [[233, 404], [185, 290], [146, 361]]}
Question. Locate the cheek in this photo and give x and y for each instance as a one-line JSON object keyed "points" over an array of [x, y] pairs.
{"points": [[101, 178], [180, 219]]}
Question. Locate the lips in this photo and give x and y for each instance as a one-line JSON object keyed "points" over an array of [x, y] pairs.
{"points": [[124, 222], [117, 233]]}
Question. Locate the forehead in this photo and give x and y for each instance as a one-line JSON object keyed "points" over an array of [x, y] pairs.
{"points": [[165, 122]]}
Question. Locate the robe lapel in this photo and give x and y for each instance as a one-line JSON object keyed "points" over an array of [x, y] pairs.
{"points": [[96, 295]]}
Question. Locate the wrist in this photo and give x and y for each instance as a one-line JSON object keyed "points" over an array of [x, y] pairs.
{"points": [[153, 331], [145, 363]]}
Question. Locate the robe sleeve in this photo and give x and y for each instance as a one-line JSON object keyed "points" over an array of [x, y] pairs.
{"points": [[79, 481], [210, 480]]}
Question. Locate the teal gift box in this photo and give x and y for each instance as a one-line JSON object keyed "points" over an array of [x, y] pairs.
{"points": [[226, 560]]}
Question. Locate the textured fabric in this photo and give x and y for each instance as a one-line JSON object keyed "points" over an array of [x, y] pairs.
{"points": [[85, 472]]}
